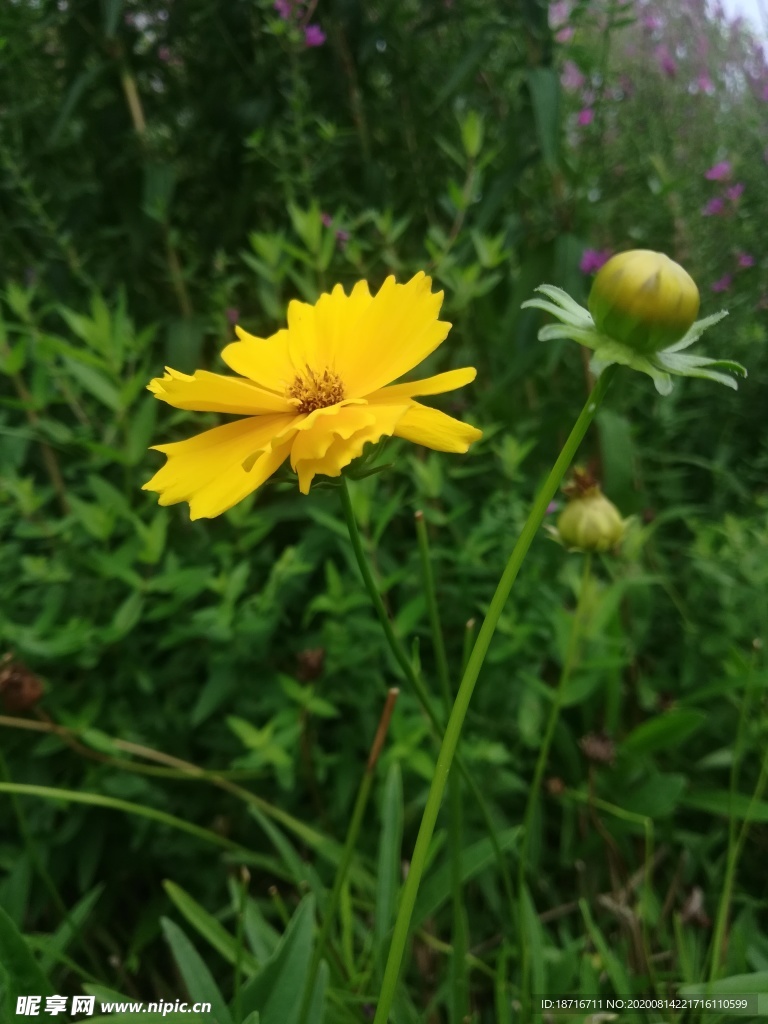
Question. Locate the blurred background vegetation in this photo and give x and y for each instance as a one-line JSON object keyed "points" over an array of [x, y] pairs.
{"points": [[170, 168]]}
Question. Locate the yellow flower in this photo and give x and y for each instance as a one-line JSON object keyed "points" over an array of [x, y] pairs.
{"points": [[315, 393]]}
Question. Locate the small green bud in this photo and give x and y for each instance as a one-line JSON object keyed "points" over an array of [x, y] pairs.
{"points": [[644, 300], [589, 522]]}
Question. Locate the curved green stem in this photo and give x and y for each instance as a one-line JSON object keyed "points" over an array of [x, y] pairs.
{"points": [[541, 761], [464, 695]]}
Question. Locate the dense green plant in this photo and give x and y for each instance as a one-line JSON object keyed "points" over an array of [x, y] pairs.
{"points": [[212, 690]]}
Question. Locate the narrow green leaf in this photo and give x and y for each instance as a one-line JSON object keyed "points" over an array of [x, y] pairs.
{"points": [[277, 991], [719, 802], [24, 976], [60, 940], [206, 925], [197, 978]]}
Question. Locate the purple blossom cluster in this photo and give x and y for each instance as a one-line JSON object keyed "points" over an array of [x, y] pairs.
{"points": [[701, 52], [724, 204], [342, 236], [295, 11]]}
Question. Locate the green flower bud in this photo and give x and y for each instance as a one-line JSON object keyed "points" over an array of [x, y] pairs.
{"points": [[643, 299], [590, 522]]}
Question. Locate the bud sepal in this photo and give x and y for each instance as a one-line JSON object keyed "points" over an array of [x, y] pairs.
{"points": [[577, 324]]}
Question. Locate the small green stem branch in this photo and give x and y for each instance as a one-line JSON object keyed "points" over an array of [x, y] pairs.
{"points": [[464, 695], [350, 843], [541, 762]]}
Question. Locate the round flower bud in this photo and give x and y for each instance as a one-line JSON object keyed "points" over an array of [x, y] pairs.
{"points": [[590, 522], [643, 299]]}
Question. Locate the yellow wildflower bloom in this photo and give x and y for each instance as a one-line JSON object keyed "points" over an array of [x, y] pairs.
{"points": [[313, 392]]}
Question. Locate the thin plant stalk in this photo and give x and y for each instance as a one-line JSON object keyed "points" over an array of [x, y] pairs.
{"points": [[463, 697], [541, 762], [460, 938], [353, 832], [417, 683]]}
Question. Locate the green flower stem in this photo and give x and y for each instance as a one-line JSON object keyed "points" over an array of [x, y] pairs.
{"points": [[459, 980], [361, 802], [541, 762], [464, 695], [418, 685]]}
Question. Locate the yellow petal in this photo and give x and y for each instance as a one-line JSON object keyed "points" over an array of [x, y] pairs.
{"points": [[211, 392], [313, 441], [429, 386], [396, 331], [230, 488], [349, 435], [434, 429], [210, 464], [263, 360]]}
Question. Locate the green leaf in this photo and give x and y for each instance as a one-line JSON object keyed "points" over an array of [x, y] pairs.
{"points": [[96, 384], [197, 978], [610, 962], [663, 732], [66, 931], [278, 989], [656, 796], [208, 927], [18, 968], [719, 802], [126, 618]]}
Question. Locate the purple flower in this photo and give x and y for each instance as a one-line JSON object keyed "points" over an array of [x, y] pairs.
{"points": [[558, 14], [666, 61], [713, 208], [720, 172], [723, 285], [734, 193], [571, 78], [552, 507], [593, 259], [745, 260], [163, 53], [326, 219], [586, 116], [342, 237], [652, 22], [314, 35], [284, 8], [705, 83], [564, 35], [232, 314]]}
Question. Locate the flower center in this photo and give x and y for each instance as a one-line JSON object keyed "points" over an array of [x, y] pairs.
{"points": [[313, 390]]}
